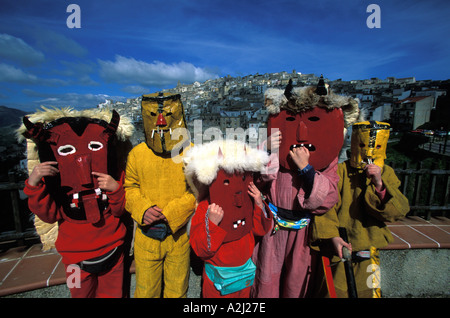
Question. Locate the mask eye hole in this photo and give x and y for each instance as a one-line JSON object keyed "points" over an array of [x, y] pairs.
{"points": [[362, 145], [95, 145], [169, 114], [313, 118], [66, 150], [290, 118], [243, 177], [226, 182], [152, 113], [378, 146]]}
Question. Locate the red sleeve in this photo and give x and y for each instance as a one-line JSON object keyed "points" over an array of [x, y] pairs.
{"points": [[261, 223], [205, 242], [116, 199], [41, 203]]}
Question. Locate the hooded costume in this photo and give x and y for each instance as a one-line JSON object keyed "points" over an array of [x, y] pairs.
{"points": [[361, 209], [155, 177], [316, 118], [220, 173], [86, 221]]}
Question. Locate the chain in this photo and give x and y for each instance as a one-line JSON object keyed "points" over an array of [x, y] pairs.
{"points": [[208, 237]]}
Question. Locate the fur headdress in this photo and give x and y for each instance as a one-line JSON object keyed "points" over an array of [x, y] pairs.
{"points": [[49, 232], [202, 162], [124, 131], [299, 99]]}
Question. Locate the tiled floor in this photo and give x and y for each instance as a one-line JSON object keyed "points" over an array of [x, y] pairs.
{"points": [[415, 232], [28, 268]]}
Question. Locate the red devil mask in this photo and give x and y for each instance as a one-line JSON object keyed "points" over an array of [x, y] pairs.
{"points": [[80, 146], [319, 129], [230, 192]]}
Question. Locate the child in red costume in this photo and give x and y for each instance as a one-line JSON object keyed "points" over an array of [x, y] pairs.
{"points": [[76, 190], [226, 221]]}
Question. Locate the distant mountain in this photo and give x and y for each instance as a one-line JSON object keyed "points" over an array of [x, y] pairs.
{"points": [[10, 116]]}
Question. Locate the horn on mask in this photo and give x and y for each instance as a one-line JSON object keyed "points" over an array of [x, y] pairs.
{"points": [[113, 124], [321, 90], [34, 130], [288, 89]]}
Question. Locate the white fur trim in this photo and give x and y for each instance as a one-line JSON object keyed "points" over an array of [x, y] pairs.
{"points": [[46, 115], [202, 162]]}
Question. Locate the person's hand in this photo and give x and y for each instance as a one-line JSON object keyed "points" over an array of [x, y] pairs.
{"points": [[254, 192], [338, 244], [373, 172], [106, 182], [44, 169], [274, 141], [153, 214], [300, 156], [215, 213]]}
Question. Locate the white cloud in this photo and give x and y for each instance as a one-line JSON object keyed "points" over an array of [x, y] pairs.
{"points": [[9, 73], [53, 43], [74, 100], [136, 89], [16, 50], [131, 71]]}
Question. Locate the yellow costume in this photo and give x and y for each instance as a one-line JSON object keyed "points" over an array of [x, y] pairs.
{"points": [[363, 211], [155, 179]]}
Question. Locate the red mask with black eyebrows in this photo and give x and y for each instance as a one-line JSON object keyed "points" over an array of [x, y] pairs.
{"points": [[318, 129], [80, 146]]}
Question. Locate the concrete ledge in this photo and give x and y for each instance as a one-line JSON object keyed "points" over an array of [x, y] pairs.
{"points": [[415, 273]]}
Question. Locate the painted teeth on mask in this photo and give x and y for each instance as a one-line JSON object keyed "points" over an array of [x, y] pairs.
{"points": [[161, 131], [76, 196], [310, 147], [238, 223], [367, 161]]}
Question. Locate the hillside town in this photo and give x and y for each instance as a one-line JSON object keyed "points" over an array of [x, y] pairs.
{"points": [[237, 102]]}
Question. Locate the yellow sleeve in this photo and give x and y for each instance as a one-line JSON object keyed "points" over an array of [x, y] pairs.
{"points": [[136, 203], [396, 206], [179, 210]]}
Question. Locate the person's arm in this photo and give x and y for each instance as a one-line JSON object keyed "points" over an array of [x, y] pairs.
{"points": [[40, 201], [394, 205], [135, 203], [206, 236]]}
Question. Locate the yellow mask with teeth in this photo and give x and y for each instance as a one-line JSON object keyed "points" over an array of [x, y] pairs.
{"points": [[161, 115], [369, 142]]}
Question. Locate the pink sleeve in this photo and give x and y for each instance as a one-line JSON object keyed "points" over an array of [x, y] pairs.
{"points": [[381, 194], [324, 194]]}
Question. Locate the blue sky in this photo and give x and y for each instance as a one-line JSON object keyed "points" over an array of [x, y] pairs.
{"points": [[127, 48]]}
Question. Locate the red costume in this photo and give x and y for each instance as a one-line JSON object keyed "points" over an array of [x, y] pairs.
{"points": [[221, 174], [79, 242], [233, 253], [91, 231]]}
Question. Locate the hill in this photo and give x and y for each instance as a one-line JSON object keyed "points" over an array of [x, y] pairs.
{"points": [[10, 116]]}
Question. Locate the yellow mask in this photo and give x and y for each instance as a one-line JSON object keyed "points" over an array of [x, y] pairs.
{"points": [[161, 115], [369, 142]]}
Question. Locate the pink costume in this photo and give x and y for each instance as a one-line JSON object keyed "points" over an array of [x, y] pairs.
{"points": [[313, 118], [290, 248]]}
